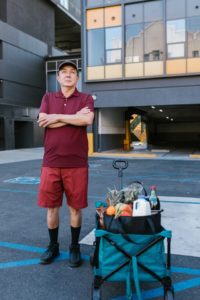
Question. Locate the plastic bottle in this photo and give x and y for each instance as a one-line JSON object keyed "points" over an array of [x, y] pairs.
{"points": [[153, 197], [141, 207]]}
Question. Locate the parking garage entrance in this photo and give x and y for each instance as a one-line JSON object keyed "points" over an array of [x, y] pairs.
{"points": [[166, 127]]}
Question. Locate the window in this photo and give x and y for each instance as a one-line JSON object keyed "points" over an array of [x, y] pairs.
{"points": [[158, 34], [176, 38], [176, 31], [153, 31], [193, 33], [52, 84], [51, 66], [113, 45], [111, 1], [193, 8], [154, 41], [153, 11], [133, 14], [175, 9], [149, 36], [91, 3], [176, 50], [134, 43], [113, 56], [95, 47]]}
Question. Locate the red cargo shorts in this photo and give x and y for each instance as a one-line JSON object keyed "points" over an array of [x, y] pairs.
{"points": [[56, 181]]}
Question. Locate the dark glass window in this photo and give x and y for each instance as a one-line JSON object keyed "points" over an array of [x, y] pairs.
{"points": [[1, 88], [175, 9], [153, 11], [95, 47], [154, 41], [113, 42], [134, 43], [193, 33], [52, 83], [1, 50], [193, 8], [133, 14], [51, 66]]}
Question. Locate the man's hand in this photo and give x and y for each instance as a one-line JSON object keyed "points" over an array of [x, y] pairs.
{"points": [[46, 120], [84, 110]]}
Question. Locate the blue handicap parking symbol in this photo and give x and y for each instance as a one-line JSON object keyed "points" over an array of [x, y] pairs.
{"points": [[24, 180]]}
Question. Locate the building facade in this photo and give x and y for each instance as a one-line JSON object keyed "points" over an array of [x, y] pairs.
{"points": [[142, 65], [30, 33]]}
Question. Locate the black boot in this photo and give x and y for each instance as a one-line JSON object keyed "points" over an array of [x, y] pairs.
{"points": [[50, 254], [74, 256]]}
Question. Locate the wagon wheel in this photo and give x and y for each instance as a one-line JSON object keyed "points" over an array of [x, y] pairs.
{"points": [[169, 294], [92, 260], [96, 293]]}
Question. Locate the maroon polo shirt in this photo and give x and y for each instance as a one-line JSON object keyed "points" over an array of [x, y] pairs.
{"points": [[67, 146]]}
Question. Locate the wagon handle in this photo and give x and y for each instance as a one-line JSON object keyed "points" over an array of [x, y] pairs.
{"points": [[120, 165]]}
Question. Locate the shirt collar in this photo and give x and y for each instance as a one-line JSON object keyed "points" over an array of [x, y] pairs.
{"points": [[59, 94]]}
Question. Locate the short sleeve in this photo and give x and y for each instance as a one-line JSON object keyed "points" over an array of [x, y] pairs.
{"points": [[90, 103], [44, 104]]}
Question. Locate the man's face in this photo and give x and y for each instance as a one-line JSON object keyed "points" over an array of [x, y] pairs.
{"points": [[67, 77]]}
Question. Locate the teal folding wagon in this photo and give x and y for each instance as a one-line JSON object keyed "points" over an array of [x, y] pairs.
{"points": [[132, 258], [131, 249]]}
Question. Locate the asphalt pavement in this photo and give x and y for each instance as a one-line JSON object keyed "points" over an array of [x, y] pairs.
{"points": [[23, 233]]}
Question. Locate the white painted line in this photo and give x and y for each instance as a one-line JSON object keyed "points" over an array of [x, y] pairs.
{"points": [[89, 238], [183, 220], [160, 150], [179, 199]]}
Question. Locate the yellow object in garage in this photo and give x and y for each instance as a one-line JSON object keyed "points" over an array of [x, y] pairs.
{"points": [[90, 143], [127, 139]]}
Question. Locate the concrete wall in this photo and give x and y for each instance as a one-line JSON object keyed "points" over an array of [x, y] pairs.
{"points": [[111, 130], [166, 91], [36, 18], [22, 85], [22, 67]]}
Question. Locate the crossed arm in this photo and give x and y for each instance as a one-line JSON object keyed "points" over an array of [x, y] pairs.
{"points": [[84, 117]]}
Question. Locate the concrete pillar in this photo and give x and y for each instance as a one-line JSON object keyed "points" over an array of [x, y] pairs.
{"points": [[9, 134]]}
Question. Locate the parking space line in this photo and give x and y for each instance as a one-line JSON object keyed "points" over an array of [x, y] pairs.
{"points": [[178, 287], [185, 270], [22, 247], [150, 294], [27, 262], [164, 199]]}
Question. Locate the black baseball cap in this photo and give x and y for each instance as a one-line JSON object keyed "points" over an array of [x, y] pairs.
{"points": [[67, 63]]}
